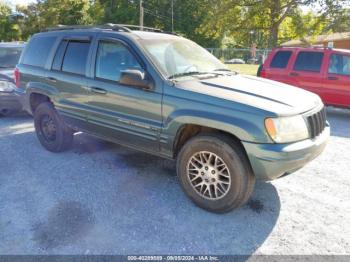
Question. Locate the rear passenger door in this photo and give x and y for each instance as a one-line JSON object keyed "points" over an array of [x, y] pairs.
{"points": [[307, 71], [279, 65], [129, 114], [68, 76]]}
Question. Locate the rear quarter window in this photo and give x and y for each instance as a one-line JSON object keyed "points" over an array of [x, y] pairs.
{"points": [[38, 50], [309, 61], [281, 59]]}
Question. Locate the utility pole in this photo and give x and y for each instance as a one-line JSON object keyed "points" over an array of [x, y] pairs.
{"points": [[172, 15], [141, 15]]}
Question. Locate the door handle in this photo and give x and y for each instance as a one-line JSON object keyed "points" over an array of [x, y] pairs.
{"points": [[98, 90], [52, 79], [293, 74], [332, 78]]}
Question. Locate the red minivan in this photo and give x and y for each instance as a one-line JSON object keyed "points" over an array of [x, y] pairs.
{"points": [[323, 71]]}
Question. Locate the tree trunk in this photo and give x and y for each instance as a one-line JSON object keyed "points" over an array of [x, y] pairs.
{"points": [[274, 35], [275, 10]]}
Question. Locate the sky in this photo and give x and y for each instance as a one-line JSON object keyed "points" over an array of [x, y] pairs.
{"points": [[13, 3]]}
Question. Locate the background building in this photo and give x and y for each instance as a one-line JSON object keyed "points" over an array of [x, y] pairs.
{"points": [[340, 40]]}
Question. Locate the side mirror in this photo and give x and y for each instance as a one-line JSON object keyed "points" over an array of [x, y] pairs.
{"points": [[134, 77]]}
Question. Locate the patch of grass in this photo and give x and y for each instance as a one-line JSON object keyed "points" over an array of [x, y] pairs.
{"points": [[245, 69]]}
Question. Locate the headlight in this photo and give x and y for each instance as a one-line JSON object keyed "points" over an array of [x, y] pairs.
{"points": [[287, 129], [6, 86]]}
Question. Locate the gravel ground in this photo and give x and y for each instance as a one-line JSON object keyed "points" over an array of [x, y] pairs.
{"points": [[100, 198]]}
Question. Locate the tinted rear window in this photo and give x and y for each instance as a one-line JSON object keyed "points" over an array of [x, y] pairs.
{"points": [[309, 61], [9, 56], [75, 57], [281, 59], [38, 50]]}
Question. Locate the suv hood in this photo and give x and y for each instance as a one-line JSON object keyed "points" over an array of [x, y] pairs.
{"points": [[261, 93]]}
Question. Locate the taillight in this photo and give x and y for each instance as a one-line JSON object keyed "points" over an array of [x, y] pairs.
{"points": [[17, 77], [263, 73]]}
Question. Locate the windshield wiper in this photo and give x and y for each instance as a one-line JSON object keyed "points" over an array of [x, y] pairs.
{"points": [[187, 74]]}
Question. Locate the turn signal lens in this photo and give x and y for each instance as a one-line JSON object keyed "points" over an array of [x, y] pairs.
{"points": [[270, 128]]}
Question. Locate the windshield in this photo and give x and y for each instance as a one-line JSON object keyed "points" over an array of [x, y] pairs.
{"points": [[181, 57], [9, 56]]}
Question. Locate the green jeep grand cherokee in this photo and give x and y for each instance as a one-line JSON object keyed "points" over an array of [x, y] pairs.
{"points": [[163, 94]]}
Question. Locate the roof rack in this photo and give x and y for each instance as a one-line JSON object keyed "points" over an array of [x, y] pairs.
{"points": [[142, 28], [113, 27], [109, 26]]}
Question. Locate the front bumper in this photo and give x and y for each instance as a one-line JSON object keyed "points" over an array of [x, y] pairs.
{"points": [[270, 161], [9, 103]]}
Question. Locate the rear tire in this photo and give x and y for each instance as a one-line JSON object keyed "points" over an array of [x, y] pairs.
{"points": [[215, 173], [51, 130]]}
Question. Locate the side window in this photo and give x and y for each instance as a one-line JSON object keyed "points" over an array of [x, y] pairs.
{"points": [[309, 61], [112, 58], [75, 57], [281, 59], [38, 50], [339, 64], [57, 61]]}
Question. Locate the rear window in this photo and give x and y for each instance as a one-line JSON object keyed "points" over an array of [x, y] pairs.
{"points": [[309, 61], [9, 56], [38, 50], [75, 57], [281, 59]]}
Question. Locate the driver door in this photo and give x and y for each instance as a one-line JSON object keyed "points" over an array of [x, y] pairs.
{"points": [[128, 114]]}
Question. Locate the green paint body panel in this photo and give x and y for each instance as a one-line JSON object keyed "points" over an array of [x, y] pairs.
{"points": [[150, 120]]}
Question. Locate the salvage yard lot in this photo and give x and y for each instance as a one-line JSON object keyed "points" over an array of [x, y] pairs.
{"points": [[100, 198]]}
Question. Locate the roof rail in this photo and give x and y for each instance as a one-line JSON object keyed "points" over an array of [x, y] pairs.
{"points": [[109, 26], [142, 28], [72, 27]]}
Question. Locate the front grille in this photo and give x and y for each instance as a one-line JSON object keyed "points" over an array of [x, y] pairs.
{"points": [[317, 123]]}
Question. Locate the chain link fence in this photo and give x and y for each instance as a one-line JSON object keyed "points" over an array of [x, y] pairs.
{"points": [[234, 55]]}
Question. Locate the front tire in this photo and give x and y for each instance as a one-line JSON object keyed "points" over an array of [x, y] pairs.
{"points": [[51, 130], [215, 172]]}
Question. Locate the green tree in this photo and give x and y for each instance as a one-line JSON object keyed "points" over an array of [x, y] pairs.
{"points": [[260, 21], [339, 20], [48, 13], [9, 30], [211, 23], [188, 16]]}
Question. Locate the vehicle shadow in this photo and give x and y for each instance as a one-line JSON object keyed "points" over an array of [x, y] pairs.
{"points": [[340, 121], [146, 201], [159, 208], [122, 202]]}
